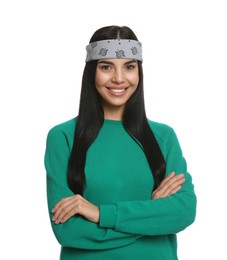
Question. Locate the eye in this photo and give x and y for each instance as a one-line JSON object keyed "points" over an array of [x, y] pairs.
{"points": [[131, 66], [105, 67]]}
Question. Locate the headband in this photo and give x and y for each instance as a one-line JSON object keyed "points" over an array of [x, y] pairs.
{"points": [[114, 49]]}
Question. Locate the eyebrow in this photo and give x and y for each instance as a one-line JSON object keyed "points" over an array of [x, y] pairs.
{"points": [[111, 63]]}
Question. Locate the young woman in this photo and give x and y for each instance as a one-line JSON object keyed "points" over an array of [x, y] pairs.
{"points": [[117, 182]]}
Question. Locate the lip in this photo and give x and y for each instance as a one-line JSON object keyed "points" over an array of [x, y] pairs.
{"points": [[117, 91]]}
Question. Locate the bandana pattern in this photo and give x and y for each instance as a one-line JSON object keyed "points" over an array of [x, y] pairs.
{"points": [[114, 49]]}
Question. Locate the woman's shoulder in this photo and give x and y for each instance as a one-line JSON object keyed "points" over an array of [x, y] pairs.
{"points": [[160, 130], [66, 127]]}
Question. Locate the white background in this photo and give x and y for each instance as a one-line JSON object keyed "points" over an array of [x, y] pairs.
{"points": [[42, 52]]}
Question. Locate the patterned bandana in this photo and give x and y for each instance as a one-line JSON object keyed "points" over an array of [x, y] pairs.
{"points": [[114, 49]]}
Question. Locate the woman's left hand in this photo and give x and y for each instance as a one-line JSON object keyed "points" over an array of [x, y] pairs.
{"points": [[170, 185], [74, 205]]}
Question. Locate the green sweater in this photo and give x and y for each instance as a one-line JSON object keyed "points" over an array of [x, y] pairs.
{"points": [[119, 181]]}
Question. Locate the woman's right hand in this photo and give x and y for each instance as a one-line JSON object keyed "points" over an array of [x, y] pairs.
{"points": [[170, 185], [75, 205]]}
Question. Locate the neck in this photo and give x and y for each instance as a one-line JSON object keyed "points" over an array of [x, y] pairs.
{"points": [[113, 113]]}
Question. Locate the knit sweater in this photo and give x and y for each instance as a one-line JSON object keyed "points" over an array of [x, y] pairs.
{"points": [[119, 180]]}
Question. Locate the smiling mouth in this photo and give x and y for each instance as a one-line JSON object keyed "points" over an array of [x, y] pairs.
{"points": [[117, 90]]}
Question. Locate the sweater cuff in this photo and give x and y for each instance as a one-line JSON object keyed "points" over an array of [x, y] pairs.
{"points": [[108, 215]]}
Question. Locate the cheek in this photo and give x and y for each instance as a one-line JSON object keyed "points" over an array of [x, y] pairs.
{"points": [[100, 79], [134, 80]]}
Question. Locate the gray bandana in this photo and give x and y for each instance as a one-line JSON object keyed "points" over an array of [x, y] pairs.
{"points": [[114, 49]]}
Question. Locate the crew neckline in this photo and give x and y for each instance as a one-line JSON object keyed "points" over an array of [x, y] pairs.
{"points": [[112, 122]]}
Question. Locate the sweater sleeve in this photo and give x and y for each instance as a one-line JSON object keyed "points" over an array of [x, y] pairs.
{"points": [[77, 232], [167, 215]]}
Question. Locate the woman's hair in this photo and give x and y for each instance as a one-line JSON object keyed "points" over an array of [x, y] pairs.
{"points": [[91, 117]]}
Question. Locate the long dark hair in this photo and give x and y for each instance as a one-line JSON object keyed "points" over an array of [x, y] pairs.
{"points": [[91, 116]]}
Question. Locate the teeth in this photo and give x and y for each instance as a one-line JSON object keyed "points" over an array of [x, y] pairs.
{"points": [[118, 90]]}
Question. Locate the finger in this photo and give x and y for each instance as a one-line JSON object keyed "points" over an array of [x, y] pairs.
{"points": [[55, 208], [67, 213], [62, 212], [171, 178], [175, 190], [170, 188], [61, 207], [68, 208], [166, 179], [75, 208], [174, 181]]}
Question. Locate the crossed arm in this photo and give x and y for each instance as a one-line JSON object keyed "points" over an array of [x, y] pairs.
{"points": [[77, 205]]}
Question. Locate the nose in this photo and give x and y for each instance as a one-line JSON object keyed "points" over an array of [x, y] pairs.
{"points": [[118, 76]]}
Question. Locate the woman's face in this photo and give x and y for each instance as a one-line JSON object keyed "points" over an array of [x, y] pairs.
{"points": [[116, 80]]}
